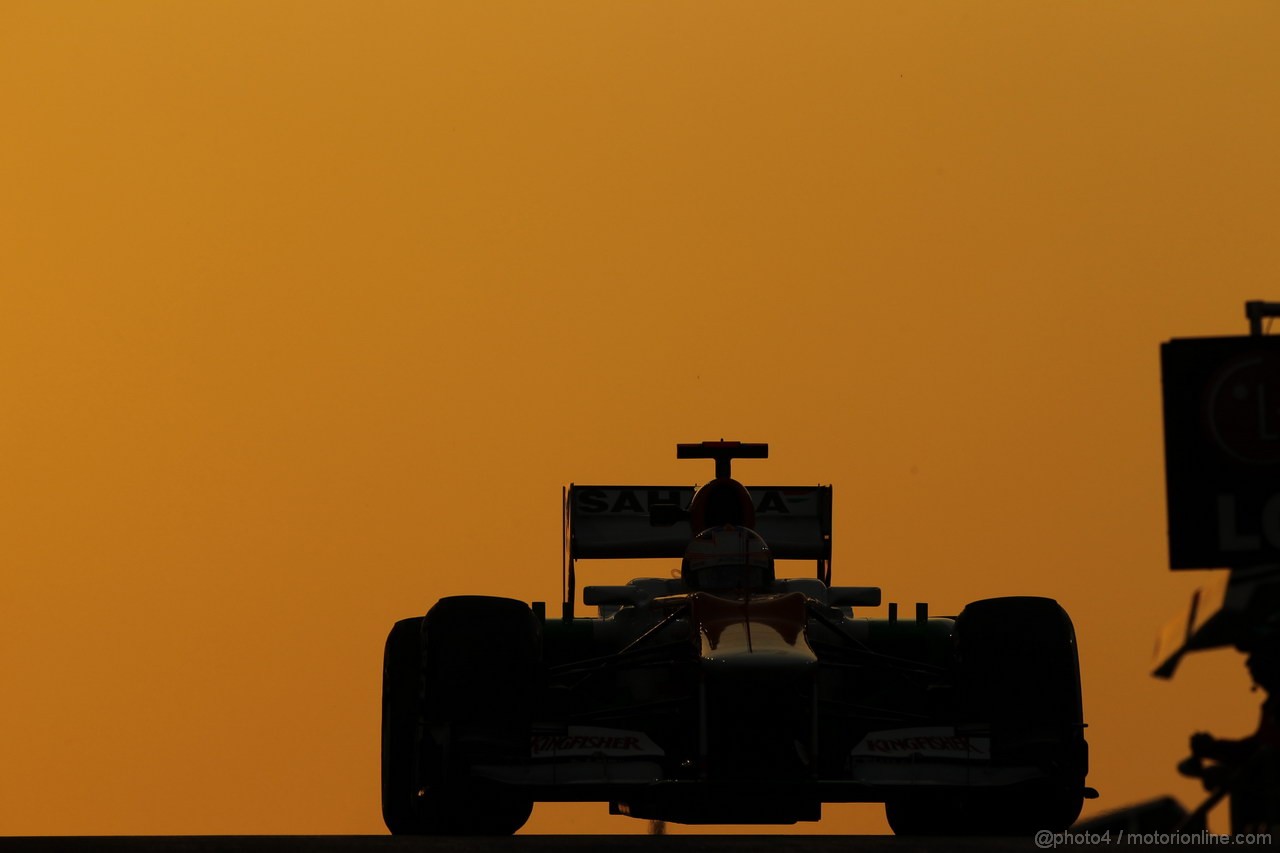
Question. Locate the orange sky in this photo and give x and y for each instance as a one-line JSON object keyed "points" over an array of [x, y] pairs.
{"points": [[309, 309]]}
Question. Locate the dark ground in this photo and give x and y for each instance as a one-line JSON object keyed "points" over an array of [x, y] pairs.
{"points": [[558, 843]]}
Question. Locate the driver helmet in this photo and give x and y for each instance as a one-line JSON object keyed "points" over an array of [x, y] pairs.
{"points": [[727, 558]]}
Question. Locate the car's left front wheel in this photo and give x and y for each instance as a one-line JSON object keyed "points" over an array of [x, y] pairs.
{"points": [[401, 720], [456, 692]]}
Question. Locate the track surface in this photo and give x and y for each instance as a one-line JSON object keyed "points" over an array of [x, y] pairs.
{"points": [[554, 844]]}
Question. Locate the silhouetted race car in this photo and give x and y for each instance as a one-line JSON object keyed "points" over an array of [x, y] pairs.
{"points": [[729, 694]]}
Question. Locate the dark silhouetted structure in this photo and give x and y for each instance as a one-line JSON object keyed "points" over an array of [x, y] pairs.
{"points": [[1222, 458]]}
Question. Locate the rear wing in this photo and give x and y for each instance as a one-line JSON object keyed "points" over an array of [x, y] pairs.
{"points": [[613, 523]]}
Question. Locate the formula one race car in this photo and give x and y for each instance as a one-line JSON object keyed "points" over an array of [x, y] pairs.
{"points": [[729, 694]]}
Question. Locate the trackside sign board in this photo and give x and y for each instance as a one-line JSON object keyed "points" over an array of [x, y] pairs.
{"points": [[1222, 450], [612, 522]]}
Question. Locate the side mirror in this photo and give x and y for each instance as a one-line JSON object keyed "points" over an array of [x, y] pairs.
{"points": [[854, 596]]}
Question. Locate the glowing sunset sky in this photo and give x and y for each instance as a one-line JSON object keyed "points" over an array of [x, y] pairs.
{"points": [[310, 308]]}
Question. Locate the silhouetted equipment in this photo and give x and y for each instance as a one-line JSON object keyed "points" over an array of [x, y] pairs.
{"points": [[1222, 448], [1222, 463], [729, 694], [1229, 610], [1245, 769]]}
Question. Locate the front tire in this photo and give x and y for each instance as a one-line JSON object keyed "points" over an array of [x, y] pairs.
{"points": [[458, 691], [1018, 669], [401, 722]]}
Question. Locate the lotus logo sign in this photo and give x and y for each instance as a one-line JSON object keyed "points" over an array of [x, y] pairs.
{"points": [[1222, 450]]}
